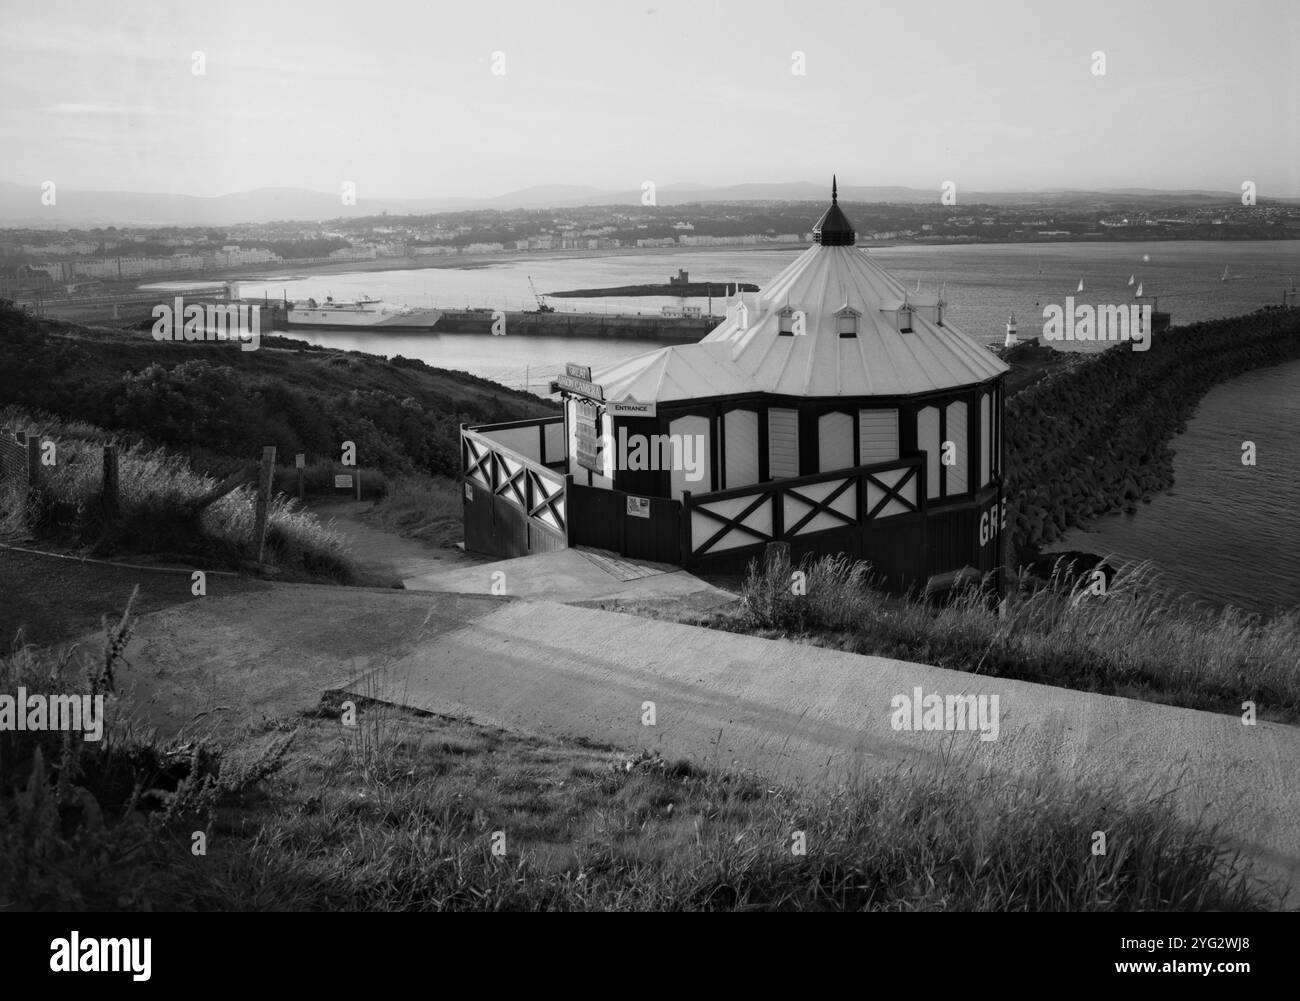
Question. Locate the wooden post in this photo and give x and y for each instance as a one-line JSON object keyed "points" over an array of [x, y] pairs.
{"points": [[109, 495], [33, 459], [622, 525], [777, 553], [358, 468], [264, 482], [300, 460], [684, 534], [568, 510], [1006, 558]]}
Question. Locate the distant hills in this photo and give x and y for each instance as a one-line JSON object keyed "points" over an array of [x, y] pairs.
{"points": [[20, 205]]}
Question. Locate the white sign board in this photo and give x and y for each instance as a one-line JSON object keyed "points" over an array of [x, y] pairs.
{"points": [[638, 507], [342, 481], [630, 408], [300, 460]]}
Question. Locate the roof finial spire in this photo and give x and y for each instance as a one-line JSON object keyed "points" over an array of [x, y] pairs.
{"points": [[835, 194]]}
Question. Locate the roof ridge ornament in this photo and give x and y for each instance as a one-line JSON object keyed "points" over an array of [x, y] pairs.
{"points": [[833, 229]]}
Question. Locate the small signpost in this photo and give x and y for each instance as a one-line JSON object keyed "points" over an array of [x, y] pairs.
{"points": [[300, 463], [586, 428], [638, 507], [345, 481], [588, 413], [577, 379]]}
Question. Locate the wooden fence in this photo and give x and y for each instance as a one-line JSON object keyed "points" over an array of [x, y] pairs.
{"points": [[784, 510], [20, 460], [514, 505]]}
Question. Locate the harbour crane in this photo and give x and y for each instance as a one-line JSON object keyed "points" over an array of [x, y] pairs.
{"points": [[541, 305]]}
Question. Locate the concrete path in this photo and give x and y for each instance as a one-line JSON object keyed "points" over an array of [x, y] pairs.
{"points": [[797, 713], [387, 553], [802, 714], [223, 666], [573, 575]]}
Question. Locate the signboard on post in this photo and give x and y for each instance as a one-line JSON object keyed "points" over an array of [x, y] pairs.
{"points": [[343, 482], [582, 372], [586, 429], [583, 387]]}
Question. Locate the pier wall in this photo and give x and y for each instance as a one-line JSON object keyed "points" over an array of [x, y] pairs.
{"points": [[1096, 437]]}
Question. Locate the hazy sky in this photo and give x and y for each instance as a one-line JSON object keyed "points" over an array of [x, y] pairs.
{"points": [[401, 98]]}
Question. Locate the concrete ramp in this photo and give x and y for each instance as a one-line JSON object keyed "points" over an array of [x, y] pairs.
{"points": [[570, 575]]}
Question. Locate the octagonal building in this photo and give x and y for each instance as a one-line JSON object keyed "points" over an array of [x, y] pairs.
{"points": [[834, 410]]}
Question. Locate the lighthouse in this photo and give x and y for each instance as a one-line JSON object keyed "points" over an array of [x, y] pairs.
{"points": [[1012, 340]]}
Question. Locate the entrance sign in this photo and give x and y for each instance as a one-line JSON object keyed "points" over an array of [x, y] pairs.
{"points": [[631, 408]]}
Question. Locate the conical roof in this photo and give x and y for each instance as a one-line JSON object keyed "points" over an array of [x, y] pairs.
{"points": [[833, 229], [904, 344]]}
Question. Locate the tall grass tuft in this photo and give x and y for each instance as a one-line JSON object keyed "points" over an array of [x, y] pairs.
{"points": [[91, 824], [155, 489], [1136, 639]]}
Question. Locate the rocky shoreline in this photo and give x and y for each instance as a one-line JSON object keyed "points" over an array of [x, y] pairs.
{"points": [[1095, 436]]}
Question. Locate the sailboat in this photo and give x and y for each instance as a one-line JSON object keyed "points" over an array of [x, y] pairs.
{"points": [[918, 285], [1138, 293], [1130, 279], [1080, 288], [1225, 274]]}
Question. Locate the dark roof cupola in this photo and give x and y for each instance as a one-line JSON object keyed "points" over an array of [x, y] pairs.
{"points": [[833, 229]]}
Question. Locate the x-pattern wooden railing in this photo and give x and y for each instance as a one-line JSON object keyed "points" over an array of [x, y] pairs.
{"points": [[775, 493], [530, 486], [894, 492]]}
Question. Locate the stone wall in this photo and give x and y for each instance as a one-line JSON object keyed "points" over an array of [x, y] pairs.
{"points": [[1096, 437]]}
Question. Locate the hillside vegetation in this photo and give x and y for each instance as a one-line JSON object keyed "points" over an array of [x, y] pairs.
{"points": [[219, 405]]}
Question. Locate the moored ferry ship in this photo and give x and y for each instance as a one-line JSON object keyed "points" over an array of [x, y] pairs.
{"points": [[363, 312]]}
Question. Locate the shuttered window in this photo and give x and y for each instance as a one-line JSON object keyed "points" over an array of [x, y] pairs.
{"points": [[782, 444], [877, 436]]}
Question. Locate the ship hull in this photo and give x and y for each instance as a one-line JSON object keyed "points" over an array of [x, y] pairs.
{"points": [[325, 319]]}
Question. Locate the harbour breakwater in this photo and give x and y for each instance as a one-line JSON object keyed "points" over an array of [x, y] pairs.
{"points": [[1094, 436], [649, 327]]}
